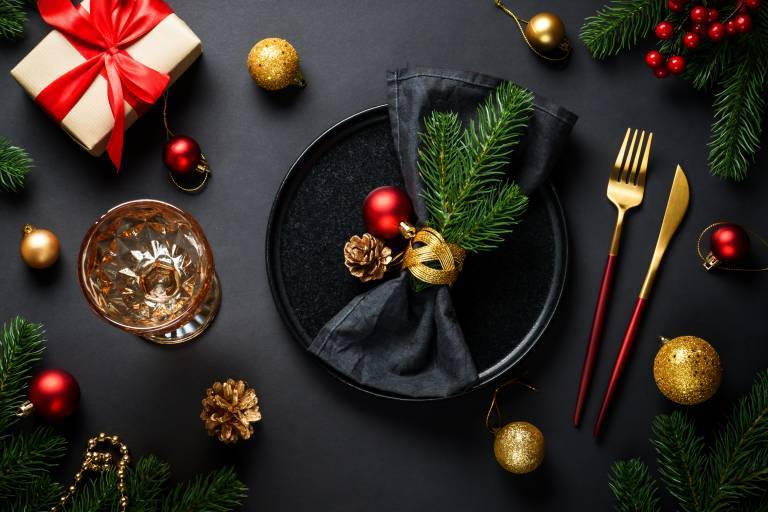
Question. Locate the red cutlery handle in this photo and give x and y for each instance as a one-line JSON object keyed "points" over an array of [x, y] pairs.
{"points": [[595, 337], [621, 361]]}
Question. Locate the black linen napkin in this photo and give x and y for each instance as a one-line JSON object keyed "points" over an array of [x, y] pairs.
{"points": [[408, 343]]}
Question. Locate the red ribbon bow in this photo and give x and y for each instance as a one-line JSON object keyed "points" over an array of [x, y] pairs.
{"points": [[102, 36]]}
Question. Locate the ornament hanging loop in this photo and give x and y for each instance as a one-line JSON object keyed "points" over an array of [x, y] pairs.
{"points": [[202, 171], [564, 47], [493, 416], [710, 261]]}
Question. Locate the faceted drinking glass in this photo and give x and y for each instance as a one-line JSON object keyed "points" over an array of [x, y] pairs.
{"points": [[146, 267]]}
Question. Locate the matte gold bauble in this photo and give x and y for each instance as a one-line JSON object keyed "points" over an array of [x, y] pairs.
{"points": [[274, 64], [687, 370], [39, 248], [545, 32], [519, 447]]}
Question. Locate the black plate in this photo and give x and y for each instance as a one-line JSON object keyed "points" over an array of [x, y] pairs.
{"points": [[504, 299]]}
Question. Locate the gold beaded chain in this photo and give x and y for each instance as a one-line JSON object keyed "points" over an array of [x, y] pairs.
{"points": [[98, 461]]}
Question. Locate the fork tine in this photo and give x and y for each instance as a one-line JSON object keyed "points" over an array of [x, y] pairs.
{"points": [[632, 176], [620, 157], [644, 164], [625, 172]]}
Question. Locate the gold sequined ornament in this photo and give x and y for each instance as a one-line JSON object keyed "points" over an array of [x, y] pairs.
{"points": [[544, 34], [39, 248], [687, 370], [274, 64], [229, 409]]}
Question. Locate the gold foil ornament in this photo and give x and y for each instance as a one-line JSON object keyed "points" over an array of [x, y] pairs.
{"points": [[687, 370], [39, 248], [274, 64], [544, 34]]}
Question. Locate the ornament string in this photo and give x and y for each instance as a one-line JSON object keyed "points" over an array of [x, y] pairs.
{"points": [[203, 168], [565, 46], [493, 416], [703, 258]]}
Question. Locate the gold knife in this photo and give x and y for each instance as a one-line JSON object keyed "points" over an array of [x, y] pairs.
{"points": [[677, 205]]}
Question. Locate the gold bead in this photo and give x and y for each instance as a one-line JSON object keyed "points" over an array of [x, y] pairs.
{"points": [[519, 447], [274, 64], [114, 440], [545, 31], [687, 370]]}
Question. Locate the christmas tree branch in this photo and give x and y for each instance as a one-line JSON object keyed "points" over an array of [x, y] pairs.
{"points": [[21, 346], [633, 487], [620, 25], [219, 491], [13, 16], [25, 458], [15, 163]]}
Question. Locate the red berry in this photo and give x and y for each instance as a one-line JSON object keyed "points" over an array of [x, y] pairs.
{"points": [[661, 72], [691, 40], [664, 30], [743, 23], [716, 32], [730, 28], [699, 14], [676, 6], [654, 59], [676, 64], [752, 4], [699, 28], [713, 15]]}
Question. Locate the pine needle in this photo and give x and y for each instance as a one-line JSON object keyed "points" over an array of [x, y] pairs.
{"points": [[25, 458], [219, 491], [620, 25], [13, 16], [21, 346], [633, 487], [15, 163]]}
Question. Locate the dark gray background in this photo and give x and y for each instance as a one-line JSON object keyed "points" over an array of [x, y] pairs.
{"points": [[321, 444]]}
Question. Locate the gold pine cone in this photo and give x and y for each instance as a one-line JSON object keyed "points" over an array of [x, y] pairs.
{"points": [[367, 257], [229, 409]]}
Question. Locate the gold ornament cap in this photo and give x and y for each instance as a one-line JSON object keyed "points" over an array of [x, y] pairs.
{"points": [[687, 370], [274, 64], [519, 447], [39, 248]]}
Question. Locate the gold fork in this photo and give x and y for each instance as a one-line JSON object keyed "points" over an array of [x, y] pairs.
{"points": [[625, 190]]}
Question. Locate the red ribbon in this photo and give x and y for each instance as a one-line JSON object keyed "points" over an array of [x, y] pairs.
{"points": [[102, 36]]}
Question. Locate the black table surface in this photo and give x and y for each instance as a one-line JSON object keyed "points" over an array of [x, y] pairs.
{"points": [[321, 444]]}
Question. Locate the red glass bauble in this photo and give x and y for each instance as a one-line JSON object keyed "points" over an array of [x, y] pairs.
{"points": [[716, 32], [181, 154], [699, 14], [384, 209], [729, 243], [676, 64], [654, 59], [743, 23], [55, 394], [691, 40], [664, 30], [661, 72]]}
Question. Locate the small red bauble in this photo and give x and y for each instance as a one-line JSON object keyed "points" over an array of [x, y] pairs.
{"points": [[699, 28], [654, 59], [729, 243], [384, 209], [730, 28], [181, 154], [664, 30], [691, 40], [676, 5], [55, 394], [661, 72], [716, 32], [699, 14], [713, 15], [753, 4], [743, 23], [676, 64]]}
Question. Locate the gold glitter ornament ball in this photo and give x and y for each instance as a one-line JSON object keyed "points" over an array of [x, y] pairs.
{"points": [[274, 64], [545, 31], [519, 447], [687, 370]]}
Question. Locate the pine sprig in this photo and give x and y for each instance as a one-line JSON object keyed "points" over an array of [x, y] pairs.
{"points": [[13, 16], [633, 487], [43, 493], [26, 458], [15, 163], [620, 25], [466, 192], [219, 491], [21, 346]]}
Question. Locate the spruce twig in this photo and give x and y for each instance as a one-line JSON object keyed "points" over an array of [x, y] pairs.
{"points": [[13, 16], [219, 491], [26, 458], [633, 487], [620, 25], [21, 346], [15, 163]]}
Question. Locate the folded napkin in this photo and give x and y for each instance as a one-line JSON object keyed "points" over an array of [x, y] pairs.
{"points": [[390, 338]]}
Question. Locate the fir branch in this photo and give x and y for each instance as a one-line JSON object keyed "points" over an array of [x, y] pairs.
{"points": [[633, 487], [25, 458], [146, 484], [681, 459], [219, 491], [620, 25], [705, 68], [42, 494], [739, 114], [438, 160], [15, 163], [21, 346], [97, 495], [13, 16]]}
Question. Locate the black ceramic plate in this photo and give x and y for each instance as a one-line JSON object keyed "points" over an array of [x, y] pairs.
{"points": [[504, 299]]}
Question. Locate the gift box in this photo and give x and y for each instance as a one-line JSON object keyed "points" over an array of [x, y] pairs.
{"points": [[104, 64]]}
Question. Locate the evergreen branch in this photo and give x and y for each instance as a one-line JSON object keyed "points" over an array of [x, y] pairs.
{"points": [[98, 495], [620, 25], [25, 458], [704, 69], [739, 110], [681, 459], [219, 491], [15, 163], [633, 487], [21, 346], [438, 159], [42, 494], [12, 19], [674, 45], [146, 484]]}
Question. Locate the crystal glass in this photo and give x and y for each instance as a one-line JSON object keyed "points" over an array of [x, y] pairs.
{"points": [[146, 267]]}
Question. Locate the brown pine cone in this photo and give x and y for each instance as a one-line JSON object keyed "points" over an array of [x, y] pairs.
{"points": [[367, 257], [229, 409]]}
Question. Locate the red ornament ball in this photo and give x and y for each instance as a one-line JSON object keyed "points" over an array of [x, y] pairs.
{"points": [[691, 40], [664, 30], [743, 23], [384, 209], [700, 14], [181, 154], [676, 5], [55, 394], [753, 4], [676, 64], [729, 243], [730, 28], [716, 32], [654, 59], [713, 15], [699, 28], [661, 72]]}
